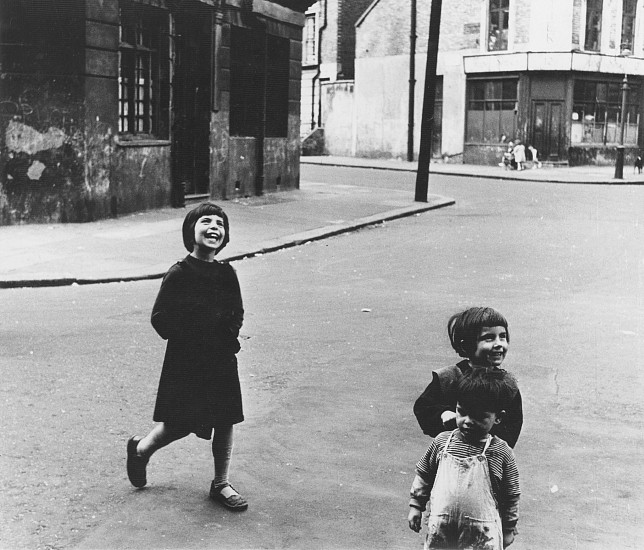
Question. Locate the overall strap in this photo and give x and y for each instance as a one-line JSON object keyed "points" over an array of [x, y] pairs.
{"points": [[487, 444], [448, 440]]}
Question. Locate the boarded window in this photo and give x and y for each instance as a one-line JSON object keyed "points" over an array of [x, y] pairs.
{"points": [[249, 65]]}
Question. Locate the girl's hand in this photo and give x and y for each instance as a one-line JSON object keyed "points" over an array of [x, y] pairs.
{"points": [[449, 419], [414, 518], [508, 539]]}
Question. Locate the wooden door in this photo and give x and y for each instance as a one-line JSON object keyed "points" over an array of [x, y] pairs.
{"points": [[548, 129]]}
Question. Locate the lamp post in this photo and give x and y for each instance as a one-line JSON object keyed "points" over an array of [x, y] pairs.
{"points": [[619, 160]]}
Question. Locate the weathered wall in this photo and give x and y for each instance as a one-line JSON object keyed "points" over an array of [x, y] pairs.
{"points": [[42, 139], [382, 76], [140, 178], [233, 159], [339, 116]]}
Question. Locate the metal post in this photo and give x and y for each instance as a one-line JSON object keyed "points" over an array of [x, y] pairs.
{"points": [[427, 123], [619, 159], [412, 82]]}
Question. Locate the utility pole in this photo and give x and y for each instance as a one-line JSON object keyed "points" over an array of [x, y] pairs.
{"points": [[427, 123], [619, 159], [412, 82]]}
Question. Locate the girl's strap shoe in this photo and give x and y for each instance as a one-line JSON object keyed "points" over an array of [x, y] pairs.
{"points": [[234, 502], [135, 464]]}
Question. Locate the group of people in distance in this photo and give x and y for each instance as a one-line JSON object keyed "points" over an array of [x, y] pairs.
{"points": [[466, 484], [515, 158]]}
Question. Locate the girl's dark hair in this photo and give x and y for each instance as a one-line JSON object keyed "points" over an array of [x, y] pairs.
{"points": [[204, 209], [464, 328], [489, 390]]}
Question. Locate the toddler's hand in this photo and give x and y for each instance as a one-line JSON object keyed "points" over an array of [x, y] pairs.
{"points": [[414, 518], [449, 419]]}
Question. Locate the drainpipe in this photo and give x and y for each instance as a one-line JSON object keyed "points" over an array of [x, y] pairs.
{"points": [[412, 82], [316, 77]]}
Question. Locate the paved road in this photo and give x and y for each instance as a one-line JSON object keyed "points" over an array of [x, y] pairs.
{"points": [[340, 338]]}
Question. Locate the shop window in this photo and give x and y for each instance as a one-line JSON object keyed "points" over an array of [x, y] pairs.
{"points": [[247, 69], [498, 23], [629, 8], [491, 110], [310, 55], [596, 116], [593, 25], [140, 71]]}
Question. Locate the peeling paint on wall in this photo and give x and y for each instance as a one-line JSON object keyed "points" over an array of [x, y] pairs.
{"points": [[35, 170], [21, 138]]}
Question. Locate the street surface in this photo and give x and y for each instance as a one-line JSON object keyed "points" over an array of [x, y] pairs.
{"points": [[340, 338]]}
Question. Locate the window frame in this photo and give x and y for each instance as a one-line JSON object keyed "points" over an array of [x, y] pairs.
{"points": [[310, 37], [592, 95], [140, 71], [498, 16], [488, 103], [593, 28], [628, 23]]}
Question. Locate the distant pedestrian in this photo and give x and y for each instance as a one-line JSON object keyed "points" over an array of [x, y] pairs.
{"points": [[536, 163], [199, 312], [638, 163], [519, 155], [469, 477], [480, 335]]}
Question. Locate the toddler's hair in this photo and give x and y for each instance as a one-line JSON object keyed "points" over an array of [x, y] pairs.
{"points": [[464, 328], [204, 209], [489, 390]]}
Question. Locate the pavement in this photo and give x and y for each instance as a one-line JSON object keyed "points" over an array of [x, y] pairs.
{"points": [[604, 175], [145, 244]]}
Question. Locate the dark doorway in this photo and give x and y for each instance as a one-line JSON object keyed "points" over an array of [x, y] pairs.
{"points": [[191, 99], [547, 129]]}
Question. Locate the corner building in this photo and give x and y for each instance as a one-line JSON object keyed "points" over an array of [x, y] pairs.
{"points": [[115, 106], [552, 73]]}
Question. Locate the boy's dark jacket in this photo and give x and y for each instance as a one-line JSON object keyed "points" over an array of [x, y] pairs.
{"points": [[440, 396]]}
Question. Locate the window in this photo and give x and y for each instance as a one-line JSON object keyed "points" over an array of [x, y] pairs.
{"points": [[247, 70], [498, 22], [596, 116], [277, 83], [628, 26], [491, 110], [593, 25], [310, 55], [140, 70], [437, 131]]}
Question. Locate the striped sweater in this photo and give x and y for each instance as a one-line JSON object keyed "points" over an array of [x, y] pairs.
{"points": [[504, 474]]}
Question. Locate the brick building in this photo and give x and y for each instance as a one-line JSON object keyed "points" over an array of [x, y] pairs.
{"points": [[123, 105], [547, 72]]}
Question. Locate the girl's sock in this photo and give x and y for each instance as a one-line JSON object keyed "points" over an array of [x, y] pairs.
{"points": [[222, 450]]}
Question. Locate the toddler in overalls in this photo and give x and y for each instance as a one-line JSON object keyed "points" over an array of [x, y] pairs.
{"points": [[468, 476]]}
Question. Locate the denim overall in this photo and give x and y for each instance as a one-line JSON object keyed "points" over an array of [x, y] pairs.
{"points": [[463, 512]]}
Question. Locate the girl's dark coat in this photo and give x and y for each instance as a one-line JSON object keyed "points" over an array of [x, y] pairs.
{"points": [[199, 311]]}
